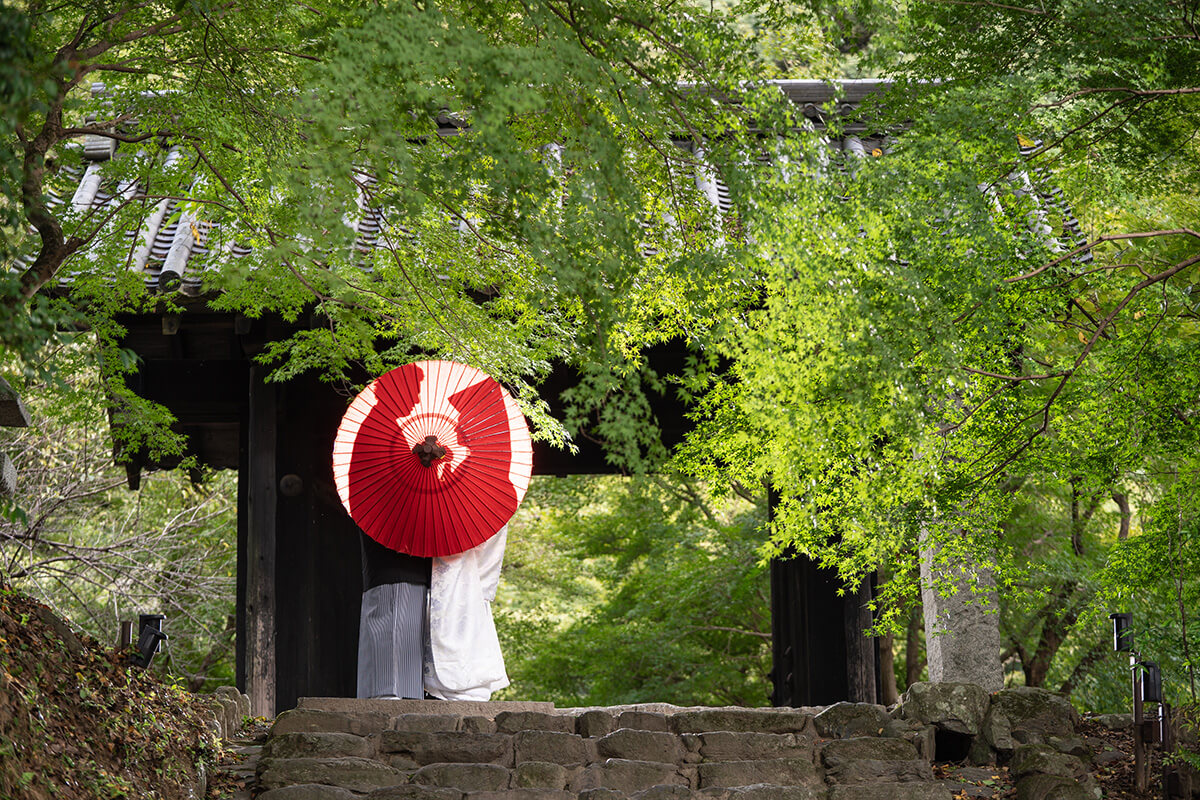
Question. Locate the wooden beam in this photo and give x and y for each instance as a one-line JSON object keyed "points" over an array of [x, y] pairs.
{"points": [[862, 651], [12, 410], [260, 546]]}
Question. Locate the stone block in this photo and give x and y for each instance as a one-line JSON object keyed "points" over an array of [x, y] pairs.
{"points": [[1108, 755], [458, 748], [552, 746], [225, 710], [891, 791], [241, 701], [216, 709], [641, 745], [981, 752], [521, 794], [969, 791], [1051, 787], [308, 791], [355, 774], [1027, 715], [1030, 759], [924, 739], [414, 791], [464, 777], [778, 771], [844, 720], [540, 775], [729, 746], [399, 761], [1115, 722], [595, 723], [1073, 746], [393, 708], [427, 723], [956, 707], [321, 744], [643, 721], [880, 749], [869, 770], [302, 720], [740, 720], [515, 721], [670, 791], [627, 776], [962, 625], [770, 791], [600, 793], [478, 725]]}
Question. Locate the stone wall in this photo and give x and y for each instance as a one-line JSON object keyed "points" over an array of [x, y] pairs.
{"points": [[229, 708], [430, 750]]}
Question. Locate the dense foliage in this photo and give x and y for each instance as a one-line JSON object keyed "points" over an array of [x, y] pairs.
{"points": [[635, 590], [984, 332]]}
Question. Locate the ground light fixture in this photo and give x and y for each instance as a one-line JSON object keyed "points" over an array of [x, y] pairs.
{"points": [[1147, 688], [1122, 631], [150, 638]]}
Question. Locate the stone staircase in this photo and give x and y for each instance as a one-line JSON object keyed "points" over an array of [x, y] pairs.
{"points": [[331, 749], [943, 741]]}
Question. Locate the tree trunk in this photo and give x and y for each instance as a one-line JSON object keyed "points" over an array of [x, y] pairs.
{"points": [[887, 668], [914, 653]]}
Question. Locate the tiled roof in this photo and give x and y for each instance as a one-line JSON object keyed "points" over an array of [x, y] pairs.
{"points": [[175, 246]]}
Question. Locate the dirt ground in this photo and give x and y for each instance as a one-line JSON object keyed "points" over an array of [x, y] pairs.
{"points": [[77, 722]]}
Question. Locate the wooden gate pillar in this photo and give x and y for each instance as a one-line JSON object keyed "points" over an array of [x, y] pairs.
{"points": [[257, 551], [820, 655], [299, 567]]}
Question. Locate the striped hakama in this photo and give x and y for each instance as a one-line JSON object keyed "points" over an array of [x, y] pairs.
{"points": [[390, 641]]}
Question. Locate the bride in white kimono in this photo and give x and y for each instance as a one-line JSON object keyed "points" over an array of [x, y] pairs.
{"points": [[462, 652]]}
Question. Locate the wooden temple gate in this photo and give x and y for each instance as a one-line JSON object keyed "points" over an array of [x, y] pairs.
{"points": [[298, 556], [299, 578]]}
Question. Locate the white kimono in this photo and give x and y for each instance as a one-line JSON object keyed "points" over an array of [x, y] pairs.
{"points": [[462, 655]]}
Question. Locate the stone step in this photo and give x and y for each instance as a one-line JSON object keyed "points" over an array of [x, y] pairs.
{"points": [[335, 749], [461, 708]]}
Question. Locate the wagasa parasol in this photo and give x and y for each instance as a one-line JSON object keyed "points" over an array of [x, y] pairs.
{"points": [[432, 458]]}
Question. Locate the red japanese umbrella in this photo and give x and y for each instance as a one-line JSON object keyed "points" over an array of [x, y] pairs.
{"points": [[432, 458]]}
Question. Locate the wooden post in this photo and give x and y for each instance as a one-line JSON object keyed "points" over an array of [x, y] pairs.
{"points": [[1141, 767], [819, 651], [260, 546], [862, 651]]}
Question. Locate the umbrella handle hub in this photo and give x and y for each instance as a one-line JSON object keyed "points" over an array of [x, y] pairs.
{"points": [[428, 451]]}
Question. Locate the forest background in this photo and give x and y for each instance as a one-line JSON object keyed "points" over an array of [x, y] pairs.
{"points": [[987, 336]]}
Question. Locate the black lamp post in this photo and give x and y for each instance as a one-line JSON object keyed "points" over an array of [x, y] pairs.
{"points": [[1123, 643], [1151, 682], [1147, 688], [1122, 633], [150, 637]]}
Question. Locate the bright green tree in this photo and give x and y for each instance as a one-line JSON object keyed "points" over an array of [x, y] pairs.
{"points": [[522, 160], [995, 308]]}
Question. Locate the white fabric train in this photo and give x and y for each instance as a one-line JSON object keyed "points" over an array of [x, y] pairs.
{"points": [[462, 653]]}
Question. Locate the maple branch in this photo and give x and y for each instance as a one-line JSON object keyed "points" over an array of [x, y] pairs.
{"points": [[1115, 237]]}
